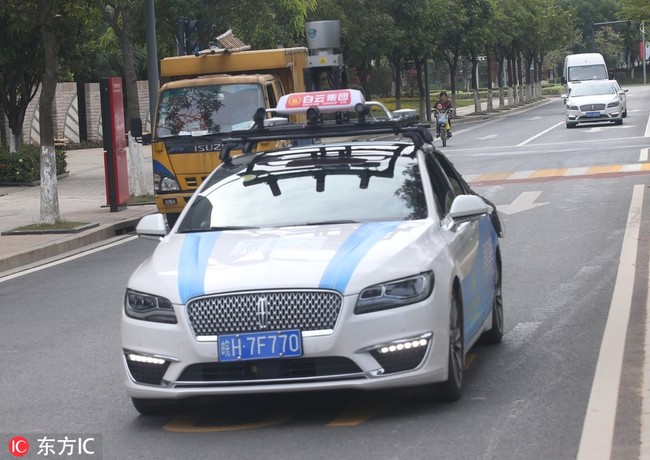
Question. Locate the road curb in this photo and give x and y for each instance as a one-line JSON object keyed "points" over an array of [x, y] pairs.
{"points": [[75, 242]]}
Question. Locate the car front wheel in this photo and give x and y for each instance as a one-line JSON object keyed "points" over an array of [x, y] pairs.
{"points": [[452, 388], [495, 334], [570, 125]]}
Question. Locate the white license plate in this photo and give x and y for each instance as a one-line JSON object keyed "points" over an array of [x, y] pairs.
{"points": [[260, 345]]}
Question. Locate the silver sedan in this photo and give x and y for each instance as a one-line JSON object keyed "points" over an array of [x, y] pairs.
{"points": [[594, 101]]}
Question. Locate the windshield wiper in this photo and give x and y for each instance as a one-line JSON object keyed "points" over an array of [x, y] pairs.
{"points": [[328, 222], [216, 229], [232, 227]]}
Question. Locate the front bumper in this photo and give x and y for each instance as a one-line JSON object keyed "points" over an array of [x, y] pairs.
{"points": [[606, 115], [166, 361]]}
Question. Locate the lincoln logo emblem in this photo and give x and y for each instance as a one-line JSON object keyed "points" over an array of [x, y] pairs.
{"points": [[262, 313]]}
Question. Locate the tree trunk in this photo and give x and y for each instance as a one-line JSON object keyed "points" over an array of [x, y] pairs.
{"points": [[453, 69], [49, 191], [511, 80], [137, 181], [122, 24], [397, 66], [520, 79], [478, 107], [363, 73], [488, 59], [419, 69]]}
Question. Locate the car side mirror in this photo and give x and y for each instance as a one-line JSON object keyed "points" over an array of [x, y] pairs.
{"points": [[152, 227], [564, 96], [467, 206]]}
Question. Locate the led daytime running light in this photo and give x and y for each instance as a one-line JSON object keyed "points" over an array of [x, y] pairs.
{"points": [[403, 346], [145, 359]]}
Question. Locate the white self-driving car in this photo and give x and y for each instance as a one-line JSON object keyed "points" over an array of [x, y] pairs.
{"points": [[594, 101], [347, 265]]}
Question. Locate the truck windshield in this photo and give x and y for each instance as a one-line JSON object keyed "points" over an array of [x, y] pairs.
{"points": [[587, 72], [200, 110]]}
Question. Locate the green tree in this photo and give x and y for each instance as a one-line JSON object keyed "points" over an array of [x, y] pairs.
{"points": [[413, 19], [588, 12], [21, 60], [367, 32], [611, 45], [118, 15], [477, 14]]}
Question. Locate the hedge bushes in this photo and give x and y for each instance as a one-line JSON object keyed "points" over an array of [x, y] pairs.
{"points": [[23, 167]]}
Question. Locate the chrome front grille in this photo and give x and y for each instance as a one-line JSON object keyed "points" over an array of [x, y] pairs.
{"points": [[261, 311], [592, 107]]}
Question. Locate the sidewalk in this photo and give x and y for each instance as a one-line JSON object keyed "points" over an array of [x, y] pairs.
{"points": [[82, 198]]}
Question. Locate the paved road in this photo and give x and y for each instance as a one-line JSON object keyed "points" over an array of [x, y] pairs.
{"points": [[567, 241]]}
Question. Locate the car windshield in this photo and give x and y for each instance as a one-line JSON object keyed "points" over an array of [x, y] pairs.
{"points": [[587, 72], [592, 90], [200, 110], [357, 189]]}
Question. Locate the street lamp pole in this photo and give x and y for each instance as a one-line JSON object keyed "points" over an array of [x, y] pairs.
{"points": [[643, 56], [152, 57]]}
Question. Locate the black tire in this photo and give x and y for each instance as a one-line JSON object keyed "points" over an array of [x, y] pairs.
{"points": [[149, 407], [443, 136], [570, 125], [172, 217], [494, 335], [625, 113], [452, 388], [618, 122]]}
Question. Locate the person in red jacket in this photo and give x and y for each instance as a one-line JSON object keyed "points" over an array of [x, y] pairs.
{"points": [[445, 102]]}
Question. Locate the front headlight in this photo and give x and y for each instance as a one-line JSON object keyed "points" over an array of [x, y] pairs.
{"points": [[571, 106], [394, 294], [613, 104], [148, 307], [165, 184]]}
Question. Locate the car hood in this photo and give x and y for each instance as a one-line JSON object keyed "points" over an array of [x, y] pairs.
{"points": [[343, 257], [597, 99]]}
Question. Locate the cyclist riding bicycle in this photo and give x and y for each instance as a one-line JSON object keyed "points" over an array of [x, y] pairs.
{"points": [[445, 103]]}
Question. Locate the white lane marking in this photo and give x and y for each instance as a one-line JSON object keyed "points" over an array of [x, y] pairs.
{"points": [[643, 156], [647, 128], [489, 136], [67, 259], [645, 386], [539, 134], [519, 334], [598, 429], [523, 202]]}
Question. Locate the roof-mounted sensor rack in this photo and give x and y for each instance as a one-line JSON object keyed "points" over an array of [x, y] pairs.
{"points": [[314, 105]]}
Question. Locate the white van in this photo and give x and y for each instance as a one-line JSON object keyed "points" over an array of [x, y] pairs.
{"points": [[584, 66]]}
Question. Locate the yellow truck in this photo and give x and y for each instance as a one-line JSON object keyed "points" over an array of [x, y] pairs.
{"points": [[205, 98]]}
